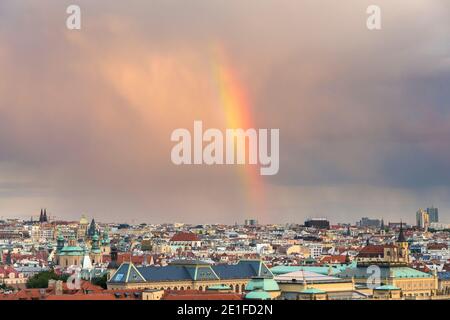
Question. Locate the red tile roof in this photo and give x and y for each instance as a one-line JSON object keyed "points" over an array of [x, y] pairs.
{"points": [[185, 236], [125, 257], [84, 285], [371, 251], [333, 259], [6, 270], [99, 296], [25, 294], [437, 246]]}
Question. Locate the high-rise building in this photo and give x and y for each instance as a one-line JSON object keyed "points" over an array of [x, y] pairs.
{"points": [[433, 214], [367, 222], [251, 222], [422, 219], [318, 223]]}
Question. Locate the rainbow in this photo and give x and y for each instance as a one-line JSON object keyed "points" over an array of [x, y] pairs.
{"points": [[237, 113]]}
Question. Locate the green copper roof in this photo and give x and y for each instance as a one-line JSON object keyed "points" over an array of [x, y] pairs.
{"points": [[321, 270], [71, 249], [387, 287], [312, 291], [258, 295], [262, 284], [219, 287], [386, 272], [404, 272]]}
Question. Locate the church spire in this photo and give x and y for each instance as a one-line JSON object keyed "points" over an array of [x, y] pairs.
{"points": [[401, 236], [92, 229]]}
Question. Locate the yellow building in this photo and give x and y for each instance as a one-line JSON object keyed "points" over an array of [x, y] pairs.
{"points": [[387, 265], [308, 285], [70, 255], [312, 294], [387, 292], [262, 287], [73, 255], [82, 228], [444, 283], [152, 294], [294, 249], [105, 244]]}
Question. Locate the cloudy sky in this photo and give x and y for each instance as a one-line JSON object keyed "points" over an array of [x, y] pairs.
{"points": [[86, 116]]}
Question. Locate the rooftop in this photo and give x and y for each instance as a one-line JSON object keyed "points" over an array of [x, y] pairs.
{"points": [[185, 236]]}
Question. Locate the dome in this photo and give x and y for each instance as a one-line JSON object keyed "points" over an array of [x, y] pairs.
{"points": [[105, 238], [258, 295], [262, 284], [83, 220], [72, 251]]}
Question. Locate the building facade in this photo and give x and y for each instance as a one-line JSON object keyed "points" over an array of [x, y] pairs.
{"points": [[422, 219], [188, 275], [433, 214]]}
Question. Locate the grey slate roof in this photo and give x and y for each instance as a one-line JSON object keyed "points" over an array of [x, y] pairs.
{"points": [[245, 269]]}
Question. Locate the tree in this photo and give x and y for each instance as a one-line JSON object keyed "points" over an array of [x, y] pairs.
{"points": [[5, 287], [40, 280], [100, 281]]}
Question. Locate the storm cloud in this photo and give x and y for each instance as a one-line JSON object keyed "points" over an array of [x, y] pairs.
{"points": [[86, 116]]}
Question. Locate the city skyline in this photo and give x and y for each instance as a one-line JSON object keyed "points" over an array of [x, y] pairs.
{"points": [[86, 115], [88, 260], [53, 217]]}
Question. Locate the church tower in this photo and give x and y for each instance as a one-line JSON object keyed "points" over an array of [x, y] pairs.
{"points": [[403, 246], [60, 243], [105, 243], [95, 254], [43, 216], [92, 230]]}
